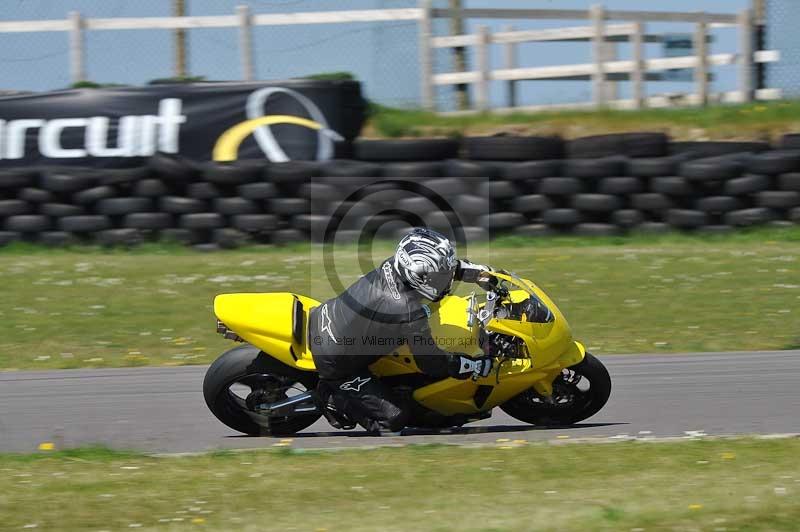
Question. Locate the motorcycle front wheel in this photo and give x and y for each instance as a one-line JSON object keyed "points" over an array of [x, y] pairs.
{"points": [[245, 376], [578, 393]]}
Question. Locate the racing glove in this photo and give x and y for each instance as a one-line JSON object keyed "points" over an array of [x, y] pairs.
{"points": [[475, 273], [464, 367]]}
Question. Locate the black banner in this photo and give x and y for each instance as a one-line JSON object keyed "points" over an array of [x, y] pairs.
{"points": [[276, 121]]}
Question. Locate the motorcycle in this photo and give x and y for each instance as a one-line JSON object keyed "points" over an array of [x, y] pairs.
{"points": [[541, 375]]}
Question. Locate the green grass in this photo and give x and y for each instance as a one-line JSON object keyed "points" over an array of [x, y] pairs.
{"points": [[756, 121], [738, 484], [153, 306]]}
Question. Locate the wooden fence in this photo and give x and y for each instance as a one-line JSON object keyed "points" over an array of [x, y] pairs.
{"points": [[603, 70]]}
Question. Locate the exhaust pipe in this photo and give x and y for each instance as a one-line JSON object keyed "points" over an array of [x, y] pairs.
{"points": [[303, 403]]}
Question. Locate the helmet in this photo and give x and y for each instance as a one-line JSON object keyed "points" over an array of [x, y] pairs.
{"points": [[426, 261]]}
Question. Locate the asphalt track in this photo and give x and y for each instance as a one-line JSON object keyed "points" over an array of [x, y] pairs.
{"points": [[162, 409]]}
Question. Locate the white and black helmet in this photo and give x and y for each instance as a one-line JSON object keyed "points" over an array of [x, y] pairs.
{"points": [[426, 260]]}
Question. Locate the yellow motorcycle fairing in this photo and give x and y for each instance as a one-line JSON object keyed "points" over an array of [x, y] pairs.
{"points": [[272, 322]]}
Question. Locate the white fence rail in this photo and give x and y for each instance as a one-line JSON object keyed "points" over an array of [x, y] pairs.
{"points": [[603, 71]]}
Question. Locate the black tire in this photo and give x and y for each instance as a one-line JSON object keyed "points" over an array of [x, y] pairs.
{"points": [[594, 168], [92, 195], [230, 173], [148, 220], [208, 191], [150, 188], [596, 202], [416, 171], [36, 195], [718, 204], [750, 217], [653, 228], [119, 237], [405, 150], [123, 206], [338, 171], [790, 141], [560, 186], [775, 162], [16, 179], [462, 169], [651, 202], [673, 186], [531, 170], [702, 149], [447, 186], [56, 239], [530, 407], [620, 186], [172, 168], [122, 176], [27, 223], [7, 237], [654, 167], [202, 220], [500, 222], [14, 207], [320, 192], [468, 205], [789, 181], [84, 224], [712, 169], [66, 180], [778, 199], [229, 238], [628, 144], [531, 204], [287, 236], [794, 215], [257, 191], [747, 184], [290, 173], [59, 210], [562, 217], [498, 190], [236, 365], [178, 205], [596, 229], [233, 206], [255, 223], [510, 148], [686, 218], [627, 218], [288, 206]]}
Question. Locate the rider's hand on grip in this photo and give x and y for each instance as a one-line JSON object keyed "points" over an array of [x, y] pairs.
{"points": [[464, 367]]}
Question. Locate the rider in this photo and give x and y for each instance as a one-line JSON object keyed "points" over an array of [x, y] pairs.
{"points": [[381, 311]]}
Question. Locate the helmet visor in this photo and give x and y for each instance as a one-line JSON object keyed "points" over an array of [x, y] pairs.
{"points": [[441, 282]]}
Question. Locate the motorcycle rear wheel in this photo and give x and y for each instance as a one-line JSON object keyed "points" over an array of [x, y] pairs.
{"points": [[246, 367], [571, 402]]}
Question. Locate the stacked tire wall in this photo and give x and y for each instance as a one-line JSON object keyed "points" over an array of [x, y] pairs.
{"points": [[483, 186]]}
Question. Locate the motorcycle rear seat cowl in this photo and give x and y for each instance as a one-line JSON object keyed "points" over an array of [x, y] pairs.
{"points": [[276, 322]]}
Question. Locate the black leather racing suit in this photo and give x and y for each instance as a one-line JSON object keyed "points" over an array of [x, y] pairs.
{"points": [[375, 316]]}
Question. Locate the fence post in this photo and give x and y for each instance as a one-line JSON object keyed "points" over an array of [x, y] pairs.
{"points": [[245, 41], [638, 74], [76, 48], [510, 61], [745, 23], [482, 60], [701, 68], [425, 55], [597, 15]]}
